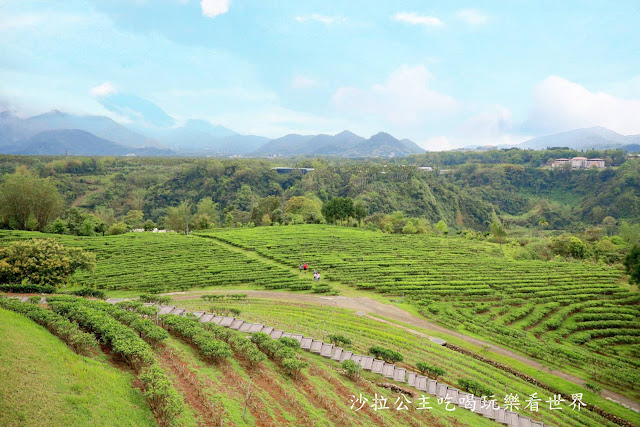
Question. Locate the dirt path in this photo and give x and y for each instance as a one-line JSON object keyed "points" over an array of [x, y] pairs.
{"points": [[370, 307], [81, 199]]}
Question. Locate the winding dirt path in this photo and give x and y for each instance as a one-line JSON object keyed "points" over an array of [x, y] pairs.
{"points": [[81, 199], [370, 307]]}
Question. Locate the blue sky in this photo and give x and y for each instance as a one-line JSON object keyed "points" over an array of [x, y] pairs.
{"points": [[442, 73]]}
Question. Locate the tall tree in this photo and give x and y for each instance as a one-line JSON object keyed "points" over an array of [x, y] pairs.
{"points": [[28, 202], [42, 262]]}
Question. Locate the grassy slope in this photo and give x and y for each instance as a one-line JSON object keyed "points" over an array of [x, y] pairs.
{"points": [[45, 383]]}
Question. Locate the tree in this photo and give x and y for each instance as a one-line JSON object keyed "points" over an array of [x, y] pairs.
{"points": [[117, 228], [338, 208], [308, 209], [442, 228], [149, 225], [498, 231], [42, 262], [28, 201], [134, 218], [359, 211], [632, 264], [178, 217]]}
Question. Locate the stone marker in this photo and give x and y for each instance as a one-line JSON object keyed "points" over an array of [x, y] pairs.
{"points": [[399, 374], [267, 330], [306, 343], [478, 408], [256, 327], [387, 370], [244, 327], [227, 321], [366, 362], [198, 314], [316, 345], [438, 341], [216, 319], [536, 424], [432, 386], [346, 355], [512, 419], [336, 353], [206, 318], [356, 358], [441, 390], [325, 350], [502, 416], [166, 309], [421, 383], [177, 312], [524, 421], [297, 337], [453, 394], [411, 379], [286, 335], [236, 324], [276, 333]]}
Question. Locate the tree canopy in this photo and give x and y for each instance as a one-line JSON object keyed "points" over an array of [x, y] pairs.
{"points": [[42, 262]]}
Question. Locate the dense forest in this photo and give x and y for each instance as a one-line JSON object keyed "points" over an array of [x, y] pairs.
{"points": [[474, 189]]}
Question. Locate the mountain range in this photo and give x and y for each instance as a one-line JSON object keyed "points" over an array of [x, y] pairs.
{"points": [[59, 133]]}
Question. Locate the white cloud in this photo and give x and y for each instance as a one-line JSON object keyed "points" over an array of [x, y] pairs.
{"points": [[560, 105], [303, 82], [213, 8], [404, 99], [472, 17], [324, 19], [103, 89], [415, 19]]}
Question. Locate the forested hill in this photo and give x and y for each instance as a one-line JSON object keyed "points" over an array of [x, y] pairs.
{"points": [[244, 190]]}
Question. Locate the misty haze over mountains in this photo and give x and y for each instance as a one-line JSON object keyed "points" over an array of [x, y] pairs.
{"points": [[59, 133]]}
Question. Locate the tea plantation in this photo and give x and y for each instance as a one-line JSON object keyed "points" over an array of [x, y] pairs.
{"points": [[562, 312]]}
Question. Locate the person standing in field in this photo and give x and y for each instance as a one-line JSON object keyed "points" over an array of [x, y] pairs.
{"points": [[304, 267], [300, 267]]}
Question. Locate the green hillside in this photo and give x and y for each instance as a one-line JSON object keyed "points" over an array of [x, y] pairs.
{"points": [[45, 383]]}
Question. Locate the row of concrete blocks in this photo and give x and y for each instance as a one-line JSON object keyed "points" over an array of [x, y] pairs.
{"points": [[420, 382]]}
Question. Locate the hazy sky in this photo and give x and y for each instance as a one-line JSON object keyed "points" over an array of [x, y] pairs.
{"points": [[442, 73]]}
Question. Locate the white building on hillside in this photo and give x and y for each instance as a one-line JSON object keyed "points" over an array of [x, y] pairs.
{"points": [[579, 163]]}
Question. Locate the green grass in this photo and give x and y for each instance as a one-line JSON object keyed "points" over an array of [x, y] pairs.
{"points": [[312, 320], [44, 383], [472, 287]]}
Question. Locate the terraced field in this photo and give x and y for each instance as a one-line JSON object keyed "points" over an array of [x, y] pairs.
{"points": [[150, 262], [565, 313], [318, 322], [217, 393]]}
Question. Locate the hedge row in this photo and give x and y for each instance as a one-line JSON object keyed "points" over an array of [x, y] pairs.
{"points": [[69, 332], [189, 329], [164, 400], [28, 289]]}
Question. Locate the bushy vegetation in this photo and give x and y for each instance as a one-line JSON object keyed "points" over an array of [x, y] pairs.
{"points": [[205, 341], [69, 332], [41, 262], [474, 387], [429, 370], [386, 354]]}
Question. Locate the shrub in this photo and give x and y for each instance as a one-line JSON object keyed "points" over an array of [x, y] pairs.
{"points": [[293, 367], [88, 292], [432, 371], [339, 340], [388, 355], [28, 289], [155, 299], [204, 339], [164, 400], [473, 387], [352, 369], [69, 332], [593, 387], [289, 342]]}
